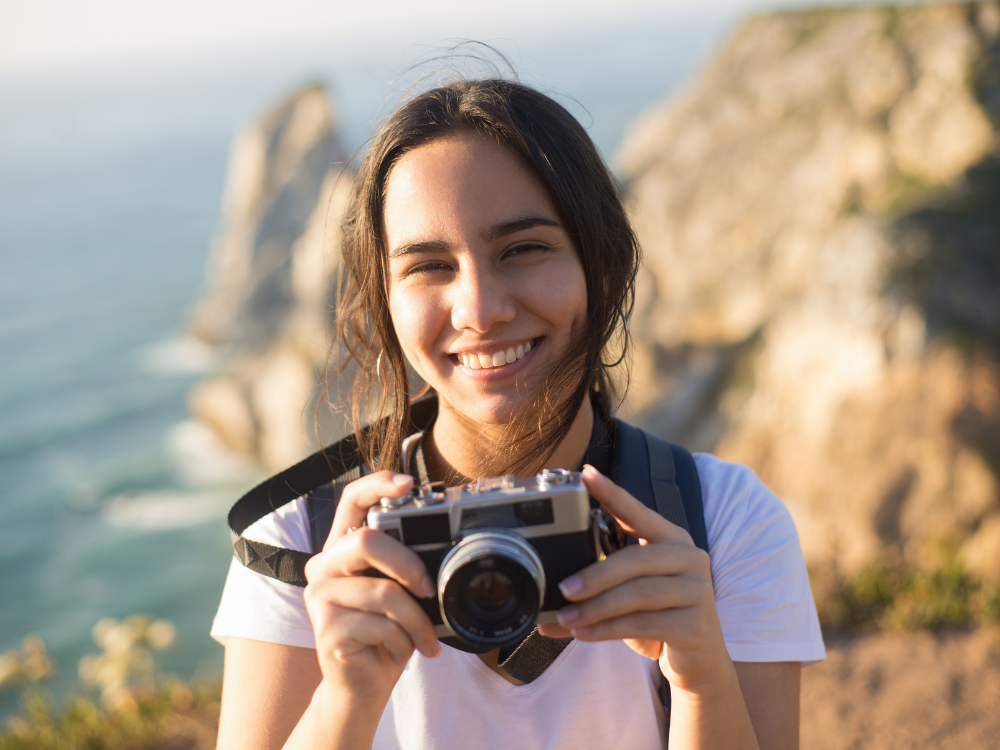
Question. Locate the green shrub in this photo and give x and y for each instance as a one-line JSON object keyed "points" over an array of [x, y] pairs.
{"points": [[894, 595], [177, 716]]}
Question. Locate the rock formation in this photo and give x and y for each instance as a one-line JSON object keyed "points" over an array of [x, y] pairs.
{"points": [[820, 217], [267, 305]]}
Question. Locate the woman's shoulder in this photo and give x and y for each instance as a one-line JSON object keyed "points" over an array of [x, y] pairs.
{"points": [[287, 526], [261, 608], [761, 585], [736, 502]]}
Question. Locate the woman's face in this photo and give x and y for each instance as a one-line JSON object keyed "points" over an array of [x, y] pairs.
{"points": [[486, 289]]}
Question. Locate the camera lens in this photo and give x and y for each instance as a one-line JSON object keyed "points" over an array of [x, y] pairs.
{"points": [[490, 595], [491, 586]]}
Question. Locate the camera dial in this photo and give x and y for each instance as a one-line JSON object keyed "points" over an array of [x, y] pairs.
{"points": [[550, 477]]}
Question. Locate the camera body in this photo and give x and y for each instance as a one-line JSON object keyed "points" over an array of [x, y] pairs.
{"points": [[498, 549]]}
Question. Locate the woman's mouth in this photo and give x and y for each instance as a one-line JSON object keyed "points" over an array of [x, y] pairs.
{"points": [[488, 360]]}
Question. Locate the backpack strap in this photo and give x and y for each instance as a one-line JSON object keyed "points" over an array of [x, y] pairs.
{"points": [[322, 505], [662, 476]]}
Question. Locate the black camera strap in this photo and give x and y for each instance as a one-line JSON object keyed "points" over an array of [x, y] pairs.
{"points": [[663, 476], [323, 475]]}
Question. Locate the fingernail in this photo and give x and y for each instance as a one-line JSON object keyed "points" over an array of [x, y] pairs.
{"points": [[591, 471], [427, 586], [401, 480], [571, 586], [580, 632], [567, 615], [436, 650]]}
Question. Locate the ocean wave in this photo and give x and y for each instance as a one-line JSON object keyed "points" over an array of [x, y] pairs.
{"points": [[44, 435], [178, 356], [164, 510], [199, 459]]}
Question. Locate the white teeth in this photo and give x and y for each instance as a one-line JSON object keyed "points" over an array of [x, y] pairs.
{"points": [[498, 359]]}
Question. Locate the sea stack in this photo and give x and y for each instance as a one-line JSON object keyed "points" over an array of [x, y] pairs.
{"points": [[268, 302]]}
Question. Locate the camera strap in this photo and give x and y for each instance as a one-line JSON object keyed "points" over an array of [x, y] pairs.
{"points": [[322, 476]]}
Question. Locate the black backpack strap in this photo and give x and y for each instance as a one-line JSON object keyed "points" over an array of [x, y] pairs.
{"points": [[322, 505], [318, 475], [662, 476], [686, 478]]}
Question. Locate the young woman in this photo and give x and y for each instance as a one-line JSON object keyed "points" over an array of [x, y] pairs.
{"points": [[487, 248]]}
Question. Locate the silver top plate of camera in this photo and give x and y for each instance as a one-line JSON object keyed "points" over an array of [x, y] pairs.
{"points": [[555, 501]]}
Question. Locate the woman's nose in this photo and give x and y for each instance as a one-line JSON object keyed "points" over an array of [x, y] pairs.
{"points": [[480, 300]]}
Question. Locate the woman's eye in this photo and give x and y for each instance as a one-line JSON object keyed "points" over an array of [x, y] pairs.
{"points": [[427, 267], [525, 249]]}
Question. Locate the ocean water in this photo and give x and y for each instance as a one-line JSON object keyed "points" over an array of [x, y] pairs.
{"points": [[111, 502]]}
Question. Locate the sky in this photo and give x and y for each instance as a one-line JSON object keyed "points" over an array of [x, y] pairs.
{"points": [[46, 34]]}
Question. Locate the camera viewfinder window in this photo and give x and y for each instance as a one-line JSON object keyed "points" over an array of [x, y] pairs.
{"points": [[426, 529], [515, 515]]}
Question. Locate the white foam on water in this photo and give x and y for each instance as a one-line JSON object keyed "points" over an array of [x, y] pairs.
{"points": [[200, 459], [166, 510], [178, 356]]}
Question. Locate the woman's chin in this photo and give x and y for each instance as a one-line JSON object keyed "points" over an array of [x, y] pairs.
{"points": [[484, 409]]}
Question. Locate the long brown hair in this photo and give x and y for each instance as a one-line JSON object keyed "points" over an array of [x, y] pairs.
{"points": [[551, 143]]}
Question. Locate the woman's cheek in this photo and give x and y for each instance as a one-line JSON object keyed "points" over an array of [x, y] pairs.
{"points": [[417, 319], [563, 293]]}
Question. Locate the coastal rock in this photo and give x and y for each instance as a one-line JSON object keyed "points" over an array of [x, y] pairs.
{"points": [[268, 302], [822, 258]]}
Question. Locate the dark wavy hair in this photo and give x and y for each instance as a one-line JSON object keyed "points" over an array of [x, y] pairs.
{"points": [[554, 146]]}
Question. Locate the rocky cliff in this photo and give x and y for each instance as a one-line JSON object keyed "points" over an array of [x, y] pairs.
{"points": [[820, 216], [267, 302]]}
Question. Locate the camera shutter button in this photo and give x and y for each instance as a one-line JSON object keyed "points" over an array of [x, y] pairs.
{"points": [[429, 494], [392, 502], [549, 477]]}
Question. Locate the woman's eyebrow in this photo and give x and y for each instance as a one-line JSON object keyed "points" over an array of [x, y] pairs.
{"points": [[503, 228], [428, 246]]}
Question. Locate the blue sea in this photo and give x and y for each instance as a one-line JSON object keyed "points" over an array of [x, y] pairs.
{"points": [[110, 185]]}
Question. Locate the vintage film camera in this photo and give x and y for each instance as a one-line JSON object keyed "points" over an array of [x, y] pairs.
{"points": [[498, 549]]}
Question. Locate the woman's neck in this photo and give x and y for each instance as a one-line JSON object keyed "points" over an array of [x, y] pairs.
{"points": [[454, 447]]}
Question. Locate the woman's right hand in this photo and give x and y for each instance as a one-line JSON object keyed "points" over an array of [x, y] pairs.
{"points": [[366, 627]]}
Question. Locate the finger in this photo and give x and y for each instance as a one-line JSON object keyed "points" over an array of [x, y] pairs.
{"points": [[634, 517], [652, 626], [636, 561], [368, 548], [380, 596], [652, 594], [355, 631], [362, 494], [554, 630]]}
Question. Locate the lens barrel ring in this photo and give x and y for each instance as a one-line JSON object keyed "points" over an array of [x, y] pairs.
{"points": [[516, 565]]}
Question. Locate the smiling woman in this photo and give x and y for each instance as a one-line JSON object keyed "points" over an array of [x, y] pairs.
{"points": [[486, 248]]}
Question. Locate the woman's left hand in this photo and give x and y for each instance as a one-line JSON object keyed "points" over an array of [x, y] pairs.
{"points": [[657, 596]]}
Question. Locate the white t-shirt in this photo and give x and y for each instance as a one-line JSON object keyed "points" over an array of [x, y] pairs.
{"points": [[594, 694]]}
